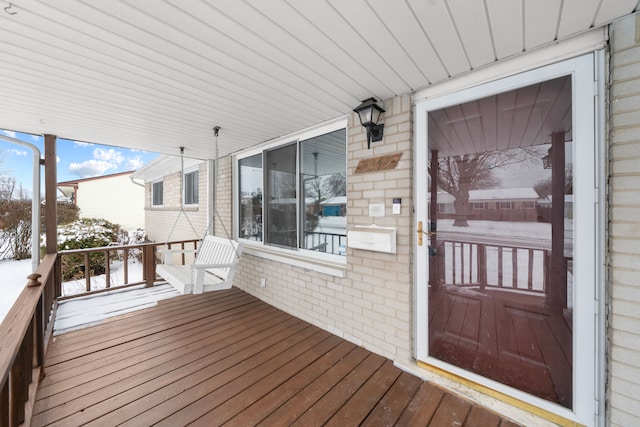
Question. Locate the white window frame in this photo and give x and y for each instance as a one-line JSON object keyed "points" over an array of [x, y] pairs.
{"points": [[588, 351], [316, 261], [153, 193], [184, 189]]}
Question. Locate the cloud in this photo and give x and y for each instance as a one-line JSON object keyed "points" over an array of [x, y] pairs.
{"points": [[82, 144], [90, 168], [17, 152], [9, 133], [134, 163], [35, 137], [108, 155]]}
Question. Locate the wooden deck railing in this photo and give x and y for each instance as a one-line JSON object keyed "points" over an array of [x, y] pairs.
{"points": [[144, 253], [24, 334], [470, 264], [25, 331]]}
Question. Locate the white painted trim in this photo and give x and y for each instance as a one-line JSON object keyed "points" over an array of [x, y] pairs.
{"points": [[588, 227], [318, 263], [569, 48]]}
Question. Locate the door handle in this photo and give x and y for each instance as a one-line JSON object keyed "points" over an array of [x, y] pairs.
{"points": [[421, 232]]}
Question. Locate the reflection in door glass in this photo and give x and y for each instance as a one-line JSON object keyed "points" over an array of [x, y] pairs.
{"points": [[500, 263]]}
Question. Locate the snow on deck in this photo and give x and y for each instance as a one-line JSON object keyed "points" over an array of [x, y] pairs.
{"points": [[80, 312]]}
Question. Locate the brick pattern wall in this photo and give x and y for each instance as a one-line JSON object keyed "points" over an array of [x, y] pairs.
{"points": [[624, 221], [372, 305], [160, 220], [224, 198]]}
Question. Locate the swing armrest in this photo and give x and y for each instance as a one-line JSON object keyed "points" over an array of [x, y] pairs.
{"points": [[206, 266]]}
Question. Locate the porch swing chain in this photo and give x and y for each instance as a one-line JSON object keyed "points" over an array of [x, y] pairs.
{"points": [[215, 192], [182, 211]]}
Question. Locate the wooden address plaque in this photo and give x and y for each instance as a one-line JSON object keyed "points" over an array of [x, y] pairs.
{"points": [[377, 164]]}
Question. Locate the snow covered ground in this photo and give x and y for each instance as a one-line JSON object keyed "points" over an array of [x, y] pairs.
{"points": [[13, 278]]}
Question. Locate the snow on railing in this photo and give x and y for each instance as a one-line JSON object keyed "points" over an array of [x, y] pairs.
{"points": [[24, 333]]}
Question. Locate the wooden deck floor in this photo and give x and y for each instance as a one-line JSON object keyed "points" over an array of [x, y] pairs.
{"points": [[227, 358]]}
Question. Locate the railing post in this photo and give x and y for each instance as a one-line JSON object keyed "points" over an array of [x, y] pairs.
{"points": [[482, 266], [107, 269], [4, 404], [87, 271], [126, 265], [149, 269]]}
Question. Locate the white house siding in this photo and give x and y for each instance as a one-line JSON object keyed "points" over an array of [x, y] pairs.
{"points": [[160, 220], [114, 198], [372, 305], [624, 219]]}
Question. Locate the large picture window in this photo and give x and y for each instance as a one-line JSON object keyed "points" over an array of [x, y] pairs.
{"points": [[301, 189]]}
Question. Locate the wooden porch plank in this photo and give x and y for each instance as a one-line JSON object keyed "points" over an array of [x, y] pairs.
{"points": [[308, 396], [148, 395], [480, 417], [238, 379], [150, 354], [256, 391], [257, 409], [392, 404], [333, 400], [423, 406], [356, 409], [112, 339], [140, 348], [162, 314], [452, 411], [90, 398], [62, 345], [240, 362]]}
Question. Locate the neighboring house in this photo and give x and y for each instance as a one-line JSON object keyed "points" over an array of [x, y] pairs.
{"points": [[498, 204], [114, 197], [176, 207]]}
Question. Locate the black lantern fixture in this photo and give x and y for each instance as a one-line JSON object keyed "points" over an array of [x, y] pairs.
{"points": [[546, 160], [369, 113]]}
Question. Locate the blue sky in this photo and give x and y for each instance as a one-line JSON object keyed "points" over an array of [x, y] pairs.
{"points": [[75, 159]]}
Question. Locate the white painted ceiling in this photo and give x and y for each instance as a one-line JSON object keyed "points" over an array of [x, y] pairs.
{"points": [[159, 74]]}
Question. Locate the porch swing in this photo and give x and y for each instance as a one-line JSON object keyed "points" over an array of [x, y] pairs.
{"points": [[215, 259]]}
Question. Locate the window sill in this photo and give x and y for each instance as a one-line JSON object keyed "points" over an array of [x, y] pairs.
{"points": [[313, 263]]}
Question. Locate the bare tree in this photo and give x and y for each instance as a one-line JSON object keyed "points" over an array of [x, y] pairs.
{"points": [[7, 187], [458, 175]]}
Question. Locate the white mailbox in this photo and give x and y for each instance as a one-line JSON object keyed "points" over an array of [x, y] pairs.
{"points": [[372, 238]]}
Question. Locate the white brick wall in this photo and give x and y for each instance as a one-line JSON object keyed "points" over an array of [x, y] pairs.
{"points": [[372, 304], [623, 389], [160, 220]]}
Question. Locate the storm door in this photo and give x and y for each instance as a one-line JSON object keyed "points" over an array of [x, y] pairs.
{"points": [[496, 235]]}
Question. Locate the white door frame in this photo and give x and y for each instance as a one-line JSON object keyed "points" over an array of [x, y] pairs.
{"points": [[588, 230]]}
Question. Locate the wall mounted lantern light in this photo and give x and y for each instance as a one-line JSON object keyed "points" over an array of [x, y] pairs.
{"points": [[546, 160], [369, 113]]}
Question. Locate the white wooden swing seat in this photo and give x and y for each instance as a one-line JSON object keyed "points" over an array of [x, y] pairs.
{"points": [[213, 268]]}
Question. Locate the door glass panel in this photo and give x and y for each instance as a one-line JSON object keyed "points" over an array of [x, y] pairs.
{"points": [[501, 243]]}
